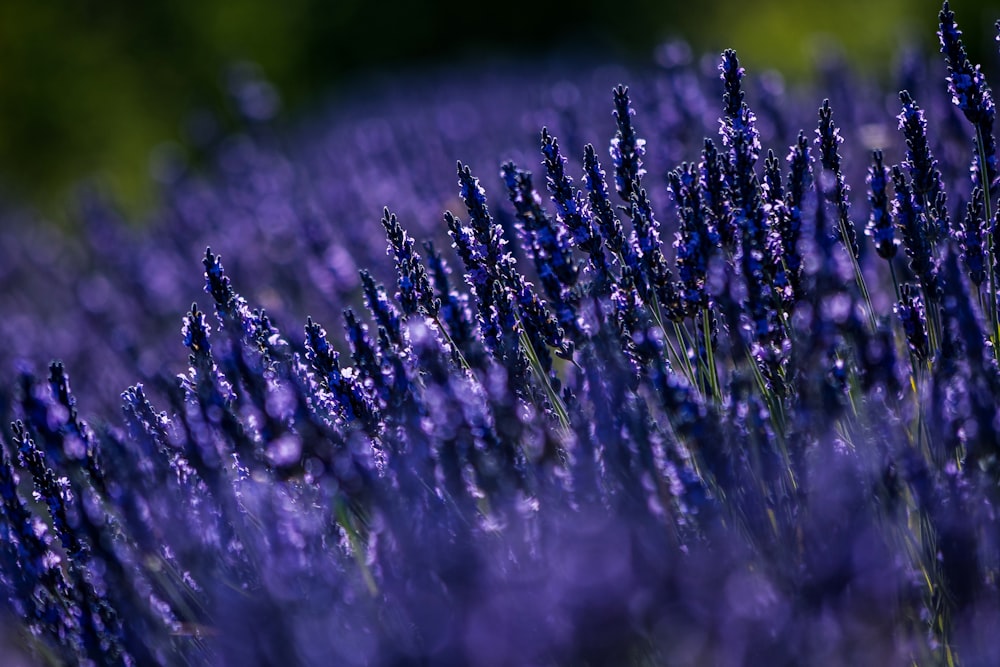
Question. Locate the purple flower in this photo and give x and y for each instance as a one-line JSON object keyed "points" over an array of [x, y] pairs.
{"points": [[916, 238], [627, 148], [928, 187], [973, 238], [828, 141], [971, 94], [414, 289], [601, 208], [911, 313], [880, 224]]}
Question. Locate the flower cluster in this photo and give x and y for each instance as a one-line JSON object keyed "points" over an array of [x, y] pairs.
{"points": [[752, 445]]}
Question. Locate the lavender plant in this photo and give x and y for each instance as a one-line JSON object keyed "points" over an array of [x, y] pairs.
{"points": [[762, 446]]}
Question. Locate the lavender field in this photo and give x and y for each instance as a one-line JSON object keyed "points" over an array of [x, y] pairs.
{"points": [[680, 365]]}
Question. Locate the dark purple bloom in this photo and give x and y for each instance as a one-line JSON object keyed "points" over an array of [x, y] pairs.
{"points": [[570, 211], [880, 227], [601, 209], [653, 273], [414, 289], [916, 238], [925, 176], [971, 94], [732, 77], [828, 141], [548, 246], [913, 316], [627, 148], [697, 241], [717, 197], [384, 312], [799, 183], [973, 238]]}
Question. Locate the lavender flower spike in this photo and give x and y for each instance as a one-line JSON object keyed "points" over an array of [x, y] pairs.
{"points": [[971, 94], [928, 187], [601, 208], [415, 292], [828, 140], [880, 227], [973, 238], [627, 148], [570, 212]]}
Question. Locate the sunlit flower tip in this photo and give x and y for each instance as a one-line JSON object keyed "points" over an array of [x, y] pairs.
{"points": [[627, 148], [414, 288], [966, 82], [732, 76], [828, 140], [563, 194], [361, 346], [799, 171], [923, 168], [196, 331], [474, 198], [715, 192], [217, 283], [773, 190]]}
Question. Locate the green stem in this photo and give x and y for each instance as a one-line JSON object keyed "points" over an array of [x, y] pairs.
{"points": [[859, 278], [543, 378], [983, 177], [451, 343]]}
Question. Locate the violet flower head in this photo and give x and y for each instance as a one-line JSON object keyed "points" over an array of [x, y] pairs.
{"points": [[654, 276], [366, 358], [488, 234], [547, 243], [828, 140], [971, 94], [696, 241], [454, 309], [880, 224], [973, 238], [477, 274], [384, 312], [799, 184], [570, 212], [601, 208], [195, 332], [716, 194], [916, 239], [230, 307], [627, 148], [732, 76], [52, 490], [910, 309], [415, 293], [925, 176]]}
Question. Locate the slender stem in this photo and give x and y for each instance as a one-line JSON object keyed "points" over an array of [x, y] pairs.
{"points": [[451, 343], [983, 178], [859, 278], [536, 367], [713, 378]]}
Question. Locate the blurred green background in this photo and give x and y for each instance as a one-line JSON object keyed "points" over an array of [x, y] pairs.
{"points": [[89, 88]]}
